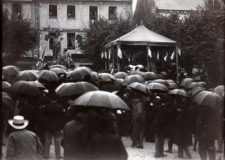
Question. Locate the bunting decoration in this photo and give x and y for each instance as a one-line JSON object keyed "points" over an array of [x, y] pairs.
{"points": [[102, 55], [105, 54], [166, 57], [158, 55], [172, 56], [149, 52], [119, 52]]}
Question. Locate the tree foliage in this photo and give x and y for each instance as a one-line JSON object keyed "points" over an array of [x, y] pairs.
{"points": [[17, 37]]}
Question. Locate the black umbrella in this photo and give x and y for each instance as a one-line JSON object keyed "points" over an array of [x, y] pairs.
{"points": [[121, 75], [79, 74], [47, 76], [27, 75], [149, 75], [5, 85], [7, 101], [196, 90], [58, 66], [157, 87], [139, 87], [179, 92], [10, 71], [106, 77], [185, 82], [25, 88], [134, 78], [101, 99], [71, 89], [58, 71], [219, 90]]}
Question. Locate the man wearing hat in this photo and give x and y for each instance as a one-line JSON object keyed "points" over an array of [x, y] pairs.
{"points": [[23, 144]]}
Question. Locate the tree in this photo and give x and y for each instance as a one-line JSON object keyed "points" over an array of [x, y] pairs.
{"points": [[18, 37]]}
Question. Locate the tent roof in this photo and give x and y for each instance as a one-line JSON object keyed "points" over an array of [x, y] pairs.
{"points": [[142, 36]]}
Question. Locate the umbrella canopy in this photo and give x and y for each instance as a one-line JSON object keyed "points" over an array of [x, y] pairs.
{"points": [[179, 92], [196, 84], [161, 81], [48, 76], [79, 74], [37, 84], [25, 88], [219, 90], [101, 99], [27, 75], [58, 71], [170, 81], [94, 77], [121, 75], [196, 90], [185, 82], [157, 87], [120, 81], [134, 78], [78, 88], [172, 85], [9, 71], [106, 77], [5, 85], [7, 101], [58, 66], [140, 87], [210, 99], [149, 75]]}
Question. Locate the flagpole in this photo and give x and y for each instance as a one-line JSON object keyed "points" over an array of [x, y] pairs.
{"points": [[105, 60], [177, 69], [113, 54]]}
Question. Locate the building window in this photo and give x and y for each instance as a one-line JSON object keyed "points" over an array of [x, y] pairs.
{"points": [[71, 40], [52, 11], [17, 9], [70, 11], [51, 43], [112, 12], [93, 12]]}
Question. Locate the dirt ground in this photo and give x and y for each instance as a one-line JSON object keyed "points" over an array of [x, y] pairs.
{"points": [[142, 154]]}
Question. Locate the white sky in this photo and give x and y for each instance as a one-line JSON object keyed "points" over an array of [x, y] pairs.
{"points": [[134, 5]]}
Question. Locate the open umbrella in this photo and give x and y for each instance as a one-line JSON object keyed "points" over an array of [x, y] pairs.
{"points": [[196, 90], [172, 85], [7, 101], [78, 88], [5, 85], [37, 84], [179, 92], [106, 77], [140, 87], [121, 75], [210, 99], [196, 84], [58, 66], [169, 81], [157, 87], [58, 71], [10, 71], [27, 75], [101, 99], [79, 74], [134, 78], [25, 88], [149, 75], [161, 81], [47, 76], [219, 90], [185, 82], [94, 77]]}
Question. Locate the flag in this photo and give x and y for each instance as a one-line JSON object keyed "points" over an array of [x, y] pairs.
{"points": [[129, 58], [179, 51], [109, 54], [149, 52], [166, 56], [105, 55], [119, 52], [158, 55], [102, 55], [172, 55], [43, 55]]}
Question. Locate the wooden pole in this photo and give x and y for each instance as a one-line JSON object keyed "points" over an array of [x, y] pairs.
{"points": [[177, 64]]}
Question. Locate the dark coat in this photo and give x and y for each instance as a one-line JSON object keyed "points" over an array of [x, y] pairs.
{"points": [[107, 146], [160, 119], [53, 116], [138, 112], [208, 127], [182, 129], [75, 143]]}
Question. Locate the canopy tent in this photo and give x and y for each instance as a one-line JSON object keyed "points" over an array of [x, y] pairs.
{"points": [[141, 36]]}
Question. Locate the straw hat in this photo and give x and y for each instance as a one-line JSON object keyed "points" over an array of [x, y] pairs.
{"points": [[18, 122]]}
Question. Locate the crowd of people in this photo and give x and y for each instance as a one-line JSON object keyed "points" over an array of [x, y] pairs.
{"points": [[167, 110]]}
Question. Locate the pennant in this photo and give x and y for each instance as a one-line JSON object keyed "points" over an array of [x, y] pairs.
{"points": [[166, 56], [172, 55], [105, 55], [179, 51], [119, 52], [102, 55], [158, 55], [109, 54], [149, 52]]}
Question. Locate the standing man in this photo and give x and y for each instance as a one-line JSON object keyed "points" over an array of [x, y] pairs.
{"points": [[53, 125], [138, 121], [23, 144]]}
